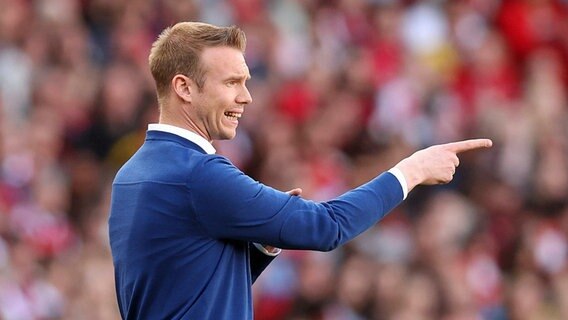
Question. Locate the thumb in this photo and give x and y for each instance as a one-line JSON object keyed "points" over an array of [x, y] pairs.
{"points": [[295, 192]]}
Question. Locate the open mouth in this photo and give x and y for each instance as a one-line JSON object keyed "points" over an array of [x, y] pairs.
{"points": [[233, 115]]}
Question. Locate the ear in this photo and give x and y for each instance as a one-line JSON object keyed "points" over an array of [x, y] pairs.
{"points": [[182, 86]]}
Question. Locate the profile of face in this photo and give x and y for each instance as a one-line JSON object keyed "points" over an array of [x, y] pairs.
{"points": [[217, 107]]}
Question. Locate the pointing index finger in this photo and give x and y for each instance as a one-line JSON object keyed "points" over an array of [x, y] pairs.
{"points": [[467, 145]]}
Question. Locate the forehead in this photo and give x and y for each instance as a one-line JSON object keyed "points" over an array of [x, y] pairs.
{"points": [[224, 61]]}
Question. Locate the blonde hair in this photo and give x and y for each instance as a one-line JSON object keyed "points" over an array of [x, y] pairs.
{"points": [[177, 51]]}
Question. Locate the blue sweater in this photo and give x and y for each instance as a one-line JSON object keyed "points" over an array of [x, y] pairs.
{"points": [[182, 223]]}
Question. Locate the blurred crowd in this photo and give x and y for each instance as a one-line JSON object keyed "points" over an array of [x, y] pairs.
{"points": [[342, 90]]}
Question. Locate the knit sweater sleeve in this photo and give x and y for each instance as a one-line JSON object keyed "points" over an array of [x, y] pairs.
{"points": [[231, 205]]}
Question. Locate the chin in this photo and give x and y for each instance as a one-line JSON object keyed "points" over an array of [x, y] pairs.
{"points": [[228, 135]]}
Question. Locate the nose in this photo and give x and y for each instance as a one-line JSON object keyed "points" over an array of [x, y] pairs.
{"points": [[244, 97]]}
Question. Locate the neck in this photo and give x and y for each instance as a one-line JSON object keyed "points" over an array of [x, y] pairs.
{"points": [[182, 120]]}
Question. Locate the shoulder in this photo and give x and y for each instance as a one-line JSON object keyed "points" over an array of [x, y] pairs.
{"points": [[212, 163], [170, 163]]}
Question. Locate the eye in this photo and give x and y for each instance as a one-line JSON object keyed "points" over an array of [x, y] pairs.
{"points": [[232, 83]]}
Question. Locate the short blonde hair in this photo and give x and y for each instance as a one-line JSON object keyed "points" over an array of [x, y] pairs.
{"points": [[178, 49]]}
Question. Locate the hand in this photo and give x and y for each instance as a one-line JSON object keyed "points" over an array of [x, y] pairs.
{"points": [[437, 164], [270, 249]]}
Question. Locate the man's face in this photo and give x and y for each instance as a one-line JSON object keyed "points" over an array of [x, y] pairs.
{"points": [[220, 103]]}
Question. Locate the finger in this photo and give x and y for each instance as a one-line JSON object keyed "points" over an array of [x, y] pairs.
{"points": [[456, 161], [295, 192], [467, 145]]}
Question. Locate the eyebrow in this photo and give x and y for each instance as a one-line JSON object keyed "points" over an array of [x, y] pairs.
{"points": [[238, 77]]}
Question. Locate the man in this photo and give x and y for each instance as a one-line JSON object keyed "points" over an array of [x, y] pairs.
{"points": [[189, 232]]}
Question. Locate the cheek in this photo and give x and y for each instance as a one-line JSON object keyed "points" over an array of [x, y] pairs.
{"points": [[218, 101], [224, 102]]}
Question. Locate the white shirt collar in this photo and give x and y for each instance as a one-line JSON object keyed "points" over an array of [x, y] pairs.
{"points": [[184, 133]]}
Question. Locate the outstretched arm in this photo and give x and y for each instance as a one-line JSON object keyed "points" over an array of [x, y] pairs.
{"points": [[233, 206]]}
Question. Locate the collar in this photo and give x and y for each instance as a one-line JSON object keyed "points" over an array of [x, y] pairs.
{"points": [[184, 133]]}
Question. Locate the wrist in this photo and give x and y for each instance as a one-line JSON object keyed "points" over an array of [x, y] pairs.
{"points": [[411, 174], [397, 173]]}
